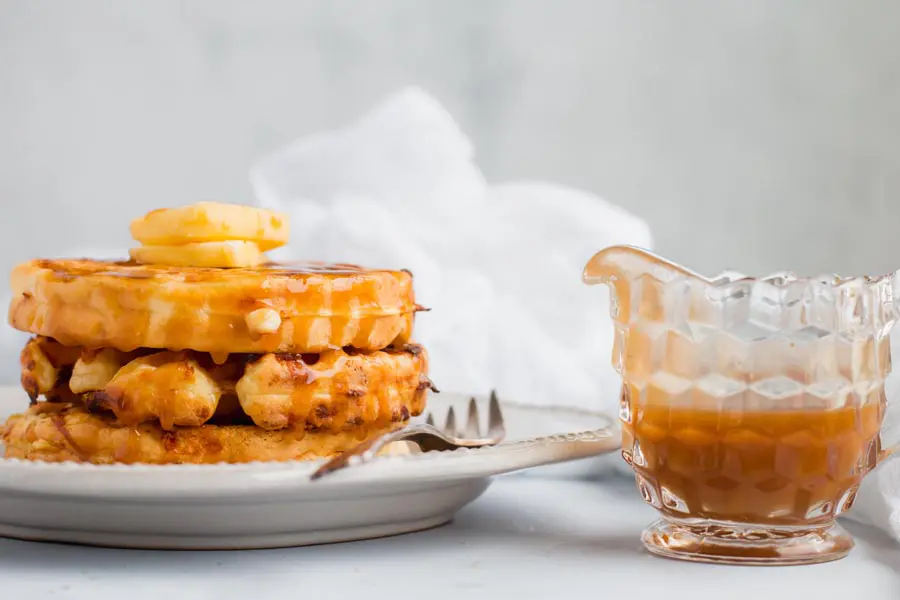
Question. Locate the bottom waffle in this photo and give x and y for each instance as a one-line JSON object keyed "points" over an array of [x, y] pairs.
{"points": [[58, 432]]}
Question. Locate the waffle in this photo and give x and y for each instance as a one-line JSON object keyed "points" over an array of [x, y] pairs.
{"points": [[295, 308], [333, 391], [58, 432]]}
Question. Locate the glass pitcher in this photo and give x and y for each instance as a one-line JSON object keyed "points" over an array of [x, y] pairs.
{"points": [[751, 408]]}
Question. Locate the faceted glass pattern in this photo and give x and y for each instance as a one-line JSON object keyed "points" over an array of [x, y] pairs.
{"points": [[753, 406]]}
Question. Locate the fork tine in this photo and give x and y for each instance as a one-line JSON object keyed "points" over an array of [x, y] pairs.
{"points": [[495, 416], [450, 426], [473, 430], [429, 420]]}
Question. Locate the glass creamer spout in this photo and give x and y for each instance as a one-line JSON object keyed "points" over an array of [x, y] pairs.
{"points": [[621, 263], [621, 266]]}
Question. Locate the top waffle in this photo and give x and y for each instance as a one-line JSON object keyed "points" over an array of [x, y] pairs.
{"points": [[293, 308]]}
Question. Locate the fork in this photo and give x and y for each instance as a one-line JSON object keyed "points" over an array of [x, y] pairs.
{"points": [[427, 437]]}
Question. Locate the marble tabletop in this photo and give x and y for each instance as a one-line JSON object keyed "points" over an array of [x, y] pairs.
{"points": [[527, 537]]}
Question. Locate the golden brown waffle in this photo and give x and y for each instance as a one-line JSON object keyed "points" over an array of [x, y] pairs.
{"points": [[58, 432], [307, 307], [333, 391]]}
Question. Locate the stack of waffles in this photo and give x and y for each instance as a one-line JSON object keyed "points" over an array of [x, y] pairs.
{"points": [[199, 350]]}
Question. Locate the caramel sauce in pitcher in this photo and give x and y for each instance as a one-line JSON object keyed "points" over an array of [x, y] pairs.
{"points": [[777, 467]]}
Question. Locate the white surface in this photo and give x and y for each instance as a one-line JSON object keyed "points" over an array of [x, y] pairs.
{"points": [[525, 538], [499, 265], [265, 505]]}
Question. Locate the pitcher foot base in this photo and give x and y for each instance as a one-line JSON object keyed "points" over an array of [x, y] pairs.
{"points": [[728, 543]]}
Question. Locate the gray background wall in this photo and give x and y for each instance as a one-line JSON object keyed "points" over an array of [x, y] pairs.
{"points": [[750, 135]]}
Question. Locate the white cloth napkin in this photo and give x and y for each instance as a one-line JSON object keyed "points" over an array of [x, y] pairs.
{"points": [[878, 501], [499, 264]]}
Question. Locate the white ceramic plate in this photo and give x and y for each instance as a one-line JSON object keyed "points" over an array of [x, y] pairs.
{"points": [[264, 505]]}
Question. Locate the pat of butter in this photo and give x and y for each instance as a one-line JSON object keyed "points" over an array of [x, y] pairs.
{"points": [[228, 254]]}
